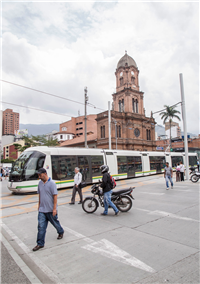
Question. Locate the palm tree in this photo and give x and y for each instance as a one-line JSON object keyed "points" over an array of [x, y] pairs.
{"points": [[169, 113]]}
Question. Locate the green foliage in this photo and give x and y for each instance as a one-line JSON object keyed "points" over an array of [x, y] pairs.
{"points": [[39, 140], [7, 160], [169, 113]]}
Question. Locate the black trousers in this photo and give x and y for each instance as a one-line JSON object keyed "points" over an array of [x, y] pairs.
{"points": [[75, 189], [182, 176]]}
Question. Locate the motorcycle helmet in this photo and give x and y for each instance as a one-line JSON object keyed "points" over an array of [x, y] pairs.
{"points": [[104, 168]]}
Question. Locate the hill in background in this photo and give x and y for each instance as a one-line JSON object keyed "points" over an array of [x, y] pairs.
{"points": [[39, 129]]}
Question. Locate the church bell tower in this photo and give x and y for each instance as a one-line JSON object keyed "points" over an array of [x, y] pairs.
{"points": [[128, 97]]}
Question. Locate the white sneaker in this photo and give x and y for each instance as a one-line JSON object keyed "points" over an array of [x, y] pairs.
{"points": [[171, 187], [167, 188]]}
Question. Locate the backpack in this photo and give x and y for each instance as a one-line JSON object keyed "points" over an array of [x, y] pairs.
{"points": [[112, 182]]}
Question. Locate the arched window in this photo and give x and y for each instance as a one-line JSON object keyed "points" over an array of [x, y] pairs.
{"points": [[121, 81], [120, 106], [119, 131], [133, 105], [136, 106], [149, 134], [103, 131], [133, 80]]}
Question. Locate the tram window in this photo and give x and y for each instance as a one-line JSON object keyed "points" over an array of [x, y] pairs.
{"points": [[97, 162], [35, 162], [122, 164], [157, 163], [176, 160], [192, 161], [109, 153], [63, 167]]}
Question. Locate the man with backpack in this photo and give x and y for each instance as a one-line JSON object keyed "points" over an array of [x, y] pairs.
{"points": [[107, 186]]}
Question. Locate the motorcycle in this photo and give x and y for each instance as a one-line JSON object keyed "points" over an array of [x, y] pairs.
{"points": [[121, 198], [195, 177]]}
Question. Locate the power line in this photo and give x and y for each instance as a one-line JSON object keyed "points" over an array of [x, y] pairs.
{"points": [[56, 96], [166, 108], [36, 109]]}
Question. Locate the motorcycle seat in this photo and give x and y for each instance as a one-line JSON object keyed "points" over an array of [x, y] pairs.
{"points": [[122, 191]]}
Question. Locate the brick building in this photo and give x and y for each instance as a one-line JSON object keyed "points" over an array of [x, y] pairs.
{"points": [[9, 151], [134, 131], [10, 122], [77, 126]]}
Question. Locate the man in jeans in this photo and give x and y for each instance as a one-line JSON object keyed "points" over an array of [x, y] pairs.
{"points": [[168, 174], [47, 208], [107, 191]]}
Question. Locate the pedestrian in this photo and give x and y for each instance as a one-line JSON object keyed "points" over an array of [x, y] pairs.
{"points": [[168, 174], [107, 191], [6, 172], [178, 174], [1, 174], [182, 171], [77, 186], [47, 207]]}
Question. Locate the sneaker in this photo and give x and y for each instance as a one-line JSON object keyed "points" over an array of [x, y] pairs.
{"points": [[71, 203], [117, 214], [167, 188], [80, 202], [103, 214]]}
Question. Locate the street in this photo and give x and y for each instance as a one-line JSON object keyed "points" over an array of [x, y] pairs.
{"points": [[157, 241]]}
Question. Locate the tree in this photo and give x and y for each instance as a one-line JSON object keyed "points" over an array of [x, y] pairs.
{"points": [[39, 140], [169, 113]]}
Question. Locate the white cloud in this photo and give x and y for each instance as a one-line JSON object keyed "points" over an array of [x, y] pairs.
{"points": [[63, 47]]}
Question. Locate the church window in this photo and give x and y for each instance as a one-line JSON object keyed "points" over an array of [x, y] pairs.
{"points": [[103, 131], [120, 106], [133, 80], [136, 106], [121, 81], [148, 132], [119, 131], [133, 104]]}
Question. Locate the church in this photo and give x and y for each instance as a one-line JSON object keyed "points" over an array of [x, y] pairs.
{"points": [[130, 128]]}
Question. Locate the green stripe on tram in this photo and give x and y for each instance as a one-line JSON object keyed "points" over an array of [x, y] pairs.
{"points": [[35, 185]]}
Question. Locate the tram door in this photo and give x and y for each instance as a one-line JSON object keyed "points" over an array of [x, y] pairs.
{"points": [[85, 168]]}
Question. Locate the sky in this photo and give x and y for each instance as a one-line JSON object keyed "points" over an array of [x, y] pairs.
{"points": [[62, 47]]}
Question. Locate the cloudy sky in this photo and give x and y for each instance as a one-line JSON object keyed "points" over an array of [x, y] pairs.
{"points": [[61, 47]]}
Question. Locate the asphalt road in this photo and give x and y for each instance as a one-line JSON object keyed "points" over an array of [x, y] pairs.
{"points": [[156, 242]]}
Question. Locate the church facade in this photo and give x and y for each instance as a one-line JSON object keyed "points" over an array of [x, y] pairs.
{"points": [[130, 128]]}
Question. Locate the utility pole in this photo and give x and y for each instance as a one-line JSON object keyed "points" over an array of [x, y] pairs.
{"points": [[86, 100], [109, 128], [184, 126]]}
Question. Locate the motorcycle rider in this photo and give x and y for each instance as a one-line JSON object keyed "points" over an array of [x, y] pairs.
{"points": [[107, 191]]}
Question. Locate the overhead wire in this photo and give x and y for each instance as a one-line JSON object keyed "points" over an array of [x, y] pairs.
{"points": [[49, 94]]}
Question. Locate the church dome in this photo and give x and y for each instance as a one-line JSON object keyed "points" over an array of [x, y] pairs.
{"points": [[126, 59]]}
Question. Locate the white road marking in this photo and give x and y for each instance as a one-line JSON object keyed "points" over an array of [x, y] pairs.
{"points": [[108, 249], [167, 214], [31, 254], [153, 193], [162, 213]]}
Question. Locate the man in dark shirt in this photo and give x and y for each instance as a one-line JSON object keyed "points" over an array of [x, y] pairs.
{"points": [[107, 191]]}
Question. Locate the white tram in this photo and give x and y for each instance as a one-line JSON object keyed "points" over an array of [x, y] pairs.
{"points": [[60, 163]]}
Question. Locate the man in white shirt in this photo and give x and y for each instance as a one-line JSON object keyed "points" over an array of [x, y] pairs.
{"points": [[77, 187], [182, 170]]}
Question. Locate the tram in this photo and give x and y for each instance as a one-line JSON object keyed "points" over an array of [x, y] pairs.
{"points": [[60, 163]]}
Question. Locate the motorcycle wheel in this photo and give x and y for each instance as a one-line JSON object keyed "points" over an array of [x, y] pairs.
{"points": [[194, 178], [125, 204], [90, 205]]}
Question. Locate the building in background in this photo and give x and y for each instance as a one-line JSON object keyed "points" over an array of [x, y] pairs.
{"points": [[76, 126], [175, 128], [9, 151], [10, 122], [130, 128]]}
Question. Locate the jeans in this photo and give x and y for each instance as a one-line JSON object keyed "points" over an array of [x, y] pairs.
{"points": [[168, 178], [108, 202], [43, 219]]}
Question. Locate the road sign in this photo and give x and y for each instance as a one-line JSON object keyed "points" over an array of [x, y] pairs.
{"points": [[171, 150], [159, 148]]}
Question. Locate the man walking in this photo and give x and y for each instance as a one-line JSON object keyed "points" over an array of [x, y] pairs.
{"points": [[47, 208], [77, 187], [107, 191], [182, 170], [168, 174]]}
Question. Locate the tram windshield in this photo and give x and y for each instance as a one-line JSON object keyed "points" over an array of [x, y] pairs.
{"points": [[27, 165]]}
